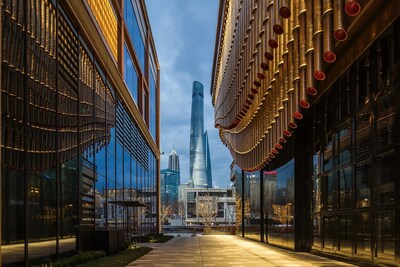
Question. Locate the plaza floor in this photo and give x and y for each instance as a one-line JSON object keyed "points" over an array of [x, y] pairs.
{"points": [[226, 250]]}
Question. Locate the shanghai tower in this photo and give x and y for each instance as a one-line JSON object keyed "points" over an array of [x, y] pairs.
{"points": [[199, 150]]}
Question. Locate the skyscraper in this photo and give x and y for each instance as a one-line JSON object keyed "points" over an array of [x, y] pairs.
{"points": [[169, 188], [173, 161], [198, 146]]}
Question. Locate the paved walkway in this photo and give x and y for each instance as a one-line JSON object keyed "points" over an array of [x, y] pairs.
{"points": [[226, 250]]}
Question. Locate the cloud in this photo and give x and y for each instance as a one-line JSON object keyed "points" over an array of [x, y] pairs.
{"points": [[184, 34]]}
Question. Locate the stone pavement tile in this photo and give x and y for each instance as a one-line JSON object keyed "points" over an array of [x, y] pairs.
{"points": [[225, 250]]}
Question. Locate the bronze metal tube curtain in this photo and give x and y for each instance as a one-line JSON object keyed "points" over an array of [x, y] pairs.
{"points": [[271, 60]]}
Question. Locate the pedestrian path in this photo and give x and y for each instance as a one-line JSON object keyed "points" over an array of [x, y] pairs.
{"points": [[226, 250]]}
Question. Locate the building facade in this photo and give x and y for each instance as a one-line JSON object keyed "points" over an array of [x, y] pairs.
{"points": [[173, 161], [212, 205], [199, 149], [306, 94], [169, 188], [79, 126]]}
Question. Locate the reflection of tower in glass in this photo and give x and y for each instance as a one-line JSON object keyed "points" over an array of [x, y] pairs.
{"points": [[270, 191], [207, 160], [198, 165]]}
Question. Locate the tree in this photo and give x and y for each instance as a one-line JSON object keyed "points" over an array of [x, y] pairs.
{"points": [[181, 208], [238, 200], [207, 208], [165, 212], [282, 213]]}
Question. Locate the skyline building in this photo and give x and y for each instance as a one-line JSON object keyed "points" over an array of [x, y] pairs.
{"points": [[200, 165], [173, 161], [79, 128], [306, 94], [169, 188]]}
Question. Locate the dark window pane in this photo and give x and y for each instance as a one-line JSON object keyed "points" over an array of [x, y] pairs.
{"points": [[385, 52], [331, 115], [345, 100], [385, 179], [42, 206], [328, 154], [363, 82], [362, 176], [344, 144], [385, 119], [317, 231], [12, 199], [345, 193], [329, 226], [328, 192], [345, 234], [363, 235], [362, 122], [385, 235]]}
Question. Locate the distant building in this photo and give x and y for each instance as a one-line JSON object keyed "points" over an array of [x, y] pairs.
{"points": [[200, 167], [169, 187], [192, 198], [182, 190], [173, 161]]}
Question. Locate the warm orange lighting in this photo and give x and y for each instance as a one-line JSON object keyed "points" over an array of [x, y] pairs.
{"points": [[107, 20]]}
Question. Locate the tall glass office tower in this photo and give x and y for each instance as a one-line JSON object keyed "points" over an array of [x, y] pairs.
{"points": [[198, 149], [173, 161]]}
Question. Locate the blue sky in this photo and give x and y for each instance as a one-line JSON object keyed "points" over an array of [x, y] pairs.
{"points": [[184, 34]]}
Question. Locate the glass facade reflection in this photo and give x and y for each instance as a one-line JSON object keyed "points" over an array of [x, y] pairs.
{"points": [[265, 204], [134, 23], [74, 160], [251, 198], [354, 202], [333, 188], [130, 74]]}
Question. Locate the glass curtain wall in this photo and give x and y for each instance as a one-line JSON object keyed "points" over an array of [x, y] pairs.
{"points": [[137, 30], [66, 169], [279, 205], [238, 182], [354, 157], [252, 205]]}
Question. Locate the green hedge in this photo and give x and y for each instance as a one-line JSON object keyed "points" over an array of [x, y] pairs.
{"points": [[100, 259], [154, 238], [78, 259], [119, 260]]}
